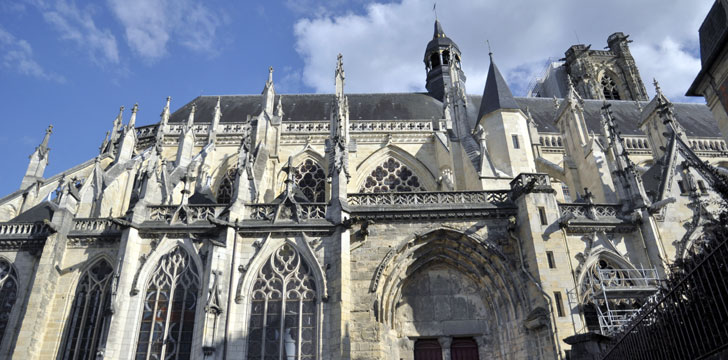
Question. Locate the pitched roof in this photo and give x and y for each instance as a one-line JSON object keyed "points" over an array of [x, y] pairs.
{"points": [[696, 119], [497, 94]]}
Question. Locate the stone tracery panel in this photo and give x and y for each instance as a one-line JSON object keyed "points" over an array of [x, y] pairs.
{"points": [[88, 322], [168, 317], [391, 176], [609, 88], [8, 293], [310, 178], [226, 190], [283, 317]]}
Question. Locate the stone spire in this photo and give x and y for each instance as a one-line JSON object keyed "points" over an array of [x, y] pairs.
{"points": [[191, 117], [496, 94], [186, 140], [132, 121], [630, 186], [338, 148], [269, 94], [216, 115], [118, 121], [165, 113], [38, 161]]}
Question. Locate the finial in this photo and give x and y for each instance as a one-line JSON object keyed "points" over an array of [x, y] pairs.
{"points": [[340, 64], [48, 132], [490, 52], [279, 107], [191, 118], [118, 120], [134, 110], [434, 8], [165, 112], [658, 90], [270, 74]]}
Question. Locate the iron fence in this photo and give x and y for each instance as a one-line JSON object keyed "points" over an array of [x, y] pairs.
{"points": [[688, 319]]}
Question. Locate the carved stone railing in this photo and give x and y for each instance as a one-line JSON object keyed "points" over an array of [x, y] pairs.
{"points": [[146, 131], [530, 182], [306, 127], [551, 141], [636, 143], [24, 230], [591, 211], [99, 225], [184, 214], [708, 145], [390, 125], [602, 53], [429, 198], [300, 212]]}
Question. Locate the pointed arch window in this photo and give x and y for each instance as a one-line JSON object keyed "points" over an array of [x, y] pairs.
{"points": [[170, 301], [600, 313], [283, 315], [87, 324], [609, 88], [8, 293], [226, 190], [391, 176], [311, 180]]}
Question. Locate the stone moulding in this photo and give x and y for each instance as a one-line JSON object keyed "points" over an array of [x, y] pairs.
{"points": [[24, 236]]}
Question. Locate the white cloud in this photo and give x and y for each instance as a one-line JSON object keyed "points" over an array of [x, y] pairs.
{"points": [[383, 47], [150, 25], [17, 55], [77, 25]]}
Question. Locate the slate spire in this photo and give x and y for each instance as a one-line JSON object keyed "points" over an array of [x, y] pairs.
{"points": [[497, 94], [438, 30]]}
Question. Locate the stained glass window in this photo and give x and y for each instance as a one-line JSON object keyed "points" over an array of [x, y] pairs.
{"points": [[225, 191], [8, 293], [311, 180], [391, 176], [609, 87], [88, 322], [168, 318], [283, 310]]}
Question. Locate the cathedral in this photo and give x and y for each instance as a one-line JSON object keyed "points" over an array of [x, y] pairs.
{"points": [[435, 225]]}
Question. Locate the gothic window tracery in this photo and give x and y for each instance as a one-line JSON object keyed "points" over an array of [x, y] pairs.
{"points": [[170, 301], [88, 322], [283, 310], [8, 293], [226, 190], [311, 180], [604, 273], [391, 176], [609, 88]]}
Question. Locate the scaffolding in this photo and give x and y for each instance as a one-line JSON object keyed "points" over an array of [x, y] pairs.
{"points": [[611, 287]]}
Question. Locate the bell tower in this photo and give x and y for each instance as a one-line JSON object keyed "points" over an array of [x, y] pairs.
{"points": [[442, 62]]}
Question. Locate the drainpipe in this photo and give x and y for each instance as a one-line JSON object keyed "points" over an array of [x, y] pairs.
{"points": [[557, 346]]}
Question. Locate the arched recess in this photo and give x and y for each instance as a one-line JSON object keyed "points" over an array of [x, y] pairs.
{"points": [[611, 86], [269, 254], [88, 311], [615, 271], [426, 177], [8, 294], [499, 288], [310, 176], [174, 262]]}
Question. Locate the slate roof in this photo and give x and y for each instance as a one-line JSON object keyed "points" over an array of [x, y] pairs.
{"points": [[496, 94], [696, 119], [40, 212]]}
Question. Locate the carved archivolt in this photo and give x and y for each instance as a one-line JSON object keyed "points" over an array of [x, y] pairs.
{"points": [[416, 176], [476, 258]]}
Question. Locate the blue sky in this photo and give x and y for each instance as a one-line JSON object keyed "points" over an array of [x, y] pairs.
{"points": [[73, 63]]}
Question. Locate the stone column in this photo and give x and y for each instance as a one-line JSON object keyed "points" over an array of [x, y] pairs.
{"points": [[445, 342], [482, 342]]}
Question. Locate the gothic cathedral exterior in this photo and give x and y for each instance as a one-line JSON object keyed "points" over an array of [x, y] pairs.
{"points": [[437, 225]]}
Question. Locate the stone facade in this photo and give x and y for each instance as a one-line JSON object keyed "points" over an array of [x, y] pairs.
{"points": [[357, 226]]}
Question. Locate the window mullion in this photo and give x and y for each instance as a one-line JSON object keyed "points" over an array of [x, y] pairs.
{"points": [[283, 319], [265, 327], [300, 325], [170, 302], [154, 321]]}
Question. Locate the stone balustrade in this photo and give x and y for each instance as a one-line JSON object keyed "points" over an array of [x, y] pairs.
{"points": [[24, 230], [429, 198], [185, 214], [591, 211], [97, 225], [267, 212]]}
